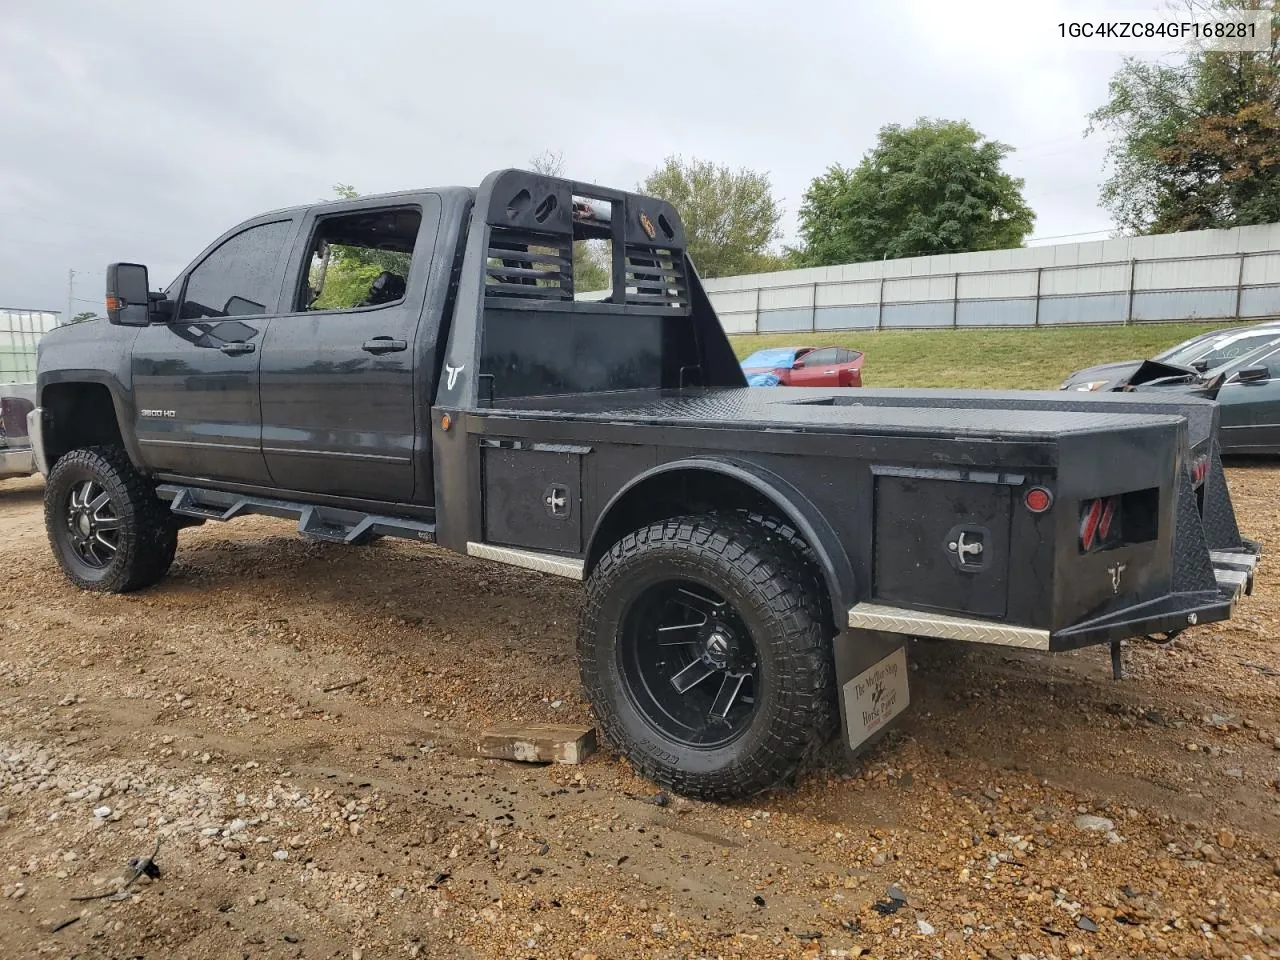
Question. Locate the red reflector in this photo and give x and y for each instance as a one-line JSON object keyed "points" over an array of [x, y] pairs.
{"points": [[1089, 524], [1038, 499], [1199, 470], [1108, 514]]}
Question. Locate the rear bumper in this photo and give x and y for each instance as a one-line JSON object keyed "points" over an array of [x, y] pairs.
{"points": [[1233, 571]]}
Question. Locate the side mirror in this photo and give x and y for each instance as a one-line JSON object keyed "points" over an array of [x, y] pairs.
{"points": [[1200, 365], [128, 299], [798, 365], [1254, 374]]}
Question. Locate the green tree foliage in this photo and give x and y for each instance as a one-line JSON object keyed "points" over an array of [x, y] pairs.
{"points": [[83, 316], [934, 187], [730, 216], [1195, 144], [590, 257]]}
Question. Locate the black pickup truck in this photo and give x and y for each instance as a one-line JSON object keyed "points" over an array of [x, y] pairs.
{"points": [[418, 365]]}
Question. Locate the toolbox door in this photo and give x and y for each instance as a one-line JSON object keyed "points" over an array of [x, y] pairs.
{"points": [[533, 494], [941, 542]]}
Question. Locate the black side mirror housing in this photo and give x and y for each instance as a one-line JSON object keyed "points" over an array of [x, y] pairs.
{"points": [[1201, 365], [128, 297], [1254, 374]]}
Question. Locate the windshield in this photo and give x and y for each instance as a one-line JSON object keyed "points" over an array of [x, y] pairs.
{"points": [[1217, 349], [772, 357]]}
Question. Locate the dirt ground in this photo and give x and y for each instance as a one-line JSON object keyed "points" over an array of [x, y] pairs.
{"points": [[359, 823]]}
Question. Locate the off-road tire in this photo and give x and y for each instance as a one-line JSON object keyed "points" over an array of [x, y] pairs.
{"points": [[147, 533], [789, 535], [764, 578]]}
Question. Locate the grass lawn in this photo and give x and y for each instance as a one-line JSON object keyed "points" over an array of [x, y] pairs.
{"points": [[1039, 358]]}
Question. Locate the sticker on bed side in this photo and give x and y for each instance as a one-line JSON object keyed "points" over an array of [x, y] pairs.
{"points": [[876, 696]]}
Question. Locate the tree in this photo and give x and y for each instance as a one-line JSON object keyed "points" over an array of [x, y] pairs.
{"points": [[591, 270], [934, 187], [730, 216], [1195, 144], [85, 315]]}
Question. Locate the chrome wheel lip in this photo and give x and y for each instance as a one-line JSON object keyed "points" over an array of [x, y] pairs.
{"points": [[93, 524]]}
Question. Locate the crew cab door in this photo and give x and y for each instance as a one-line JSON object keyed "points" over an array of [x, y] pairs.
{"points": [[340, 370], [195, 377]]}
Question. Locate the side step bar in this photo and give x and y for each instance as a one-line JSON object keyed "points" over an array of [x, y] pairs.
{"points": [[330, 524]]}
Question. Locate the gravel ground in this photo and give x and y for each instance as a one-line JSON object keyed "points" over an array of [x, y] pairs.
{"points": [[1027, 807]]}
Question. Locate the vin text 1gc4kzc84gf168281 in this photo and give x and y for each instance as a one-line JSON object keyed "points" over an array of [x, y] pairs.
{"points": [[418, 365]]}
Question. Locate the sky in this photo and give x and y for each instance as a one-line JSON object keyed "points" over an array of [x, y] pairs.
{"points": [[139, 131]]}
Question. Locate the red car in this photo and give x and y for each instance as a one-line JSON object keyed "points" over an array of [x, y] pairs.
{"points": [[804, 367]]}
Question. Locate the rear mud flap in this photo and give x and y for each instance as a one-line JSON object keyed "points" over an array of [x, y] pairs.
{"points": [[871, 671]]}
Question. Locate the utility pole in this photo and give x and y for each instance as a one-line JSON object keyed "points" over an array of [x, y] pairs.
{"points": [[71, 287]]}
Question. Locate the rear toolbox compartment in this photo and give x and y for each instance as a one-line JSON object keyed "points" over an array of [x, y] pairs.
{"points": [[1140, 539]]}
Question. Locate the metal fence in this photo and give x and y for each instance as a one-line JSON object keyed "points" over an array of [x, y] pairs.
{"points": [[1204, 275], [20, 331]]}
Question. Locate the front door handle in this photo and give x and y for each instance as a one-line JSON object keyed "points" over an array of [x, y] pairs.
{"points": [[384, 345], [237, 348]]}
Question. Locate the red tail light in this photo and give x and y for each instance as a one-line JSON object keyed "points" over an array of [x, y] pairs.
{"points": [[1199, 470], [1099, 523]]}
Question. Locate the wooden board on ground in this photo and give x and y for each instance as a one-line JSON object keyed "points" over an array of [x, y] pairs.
{"points": [[538, 743]]}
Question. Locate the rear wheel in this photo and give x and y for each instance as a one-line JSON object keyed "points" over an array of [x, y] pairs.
{"points": [[704, 655], [108, 529]]}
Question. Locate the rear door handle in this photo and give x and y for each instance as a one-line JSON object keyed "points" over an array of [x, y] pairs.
{"points": [[384, 345], [237, 348]]}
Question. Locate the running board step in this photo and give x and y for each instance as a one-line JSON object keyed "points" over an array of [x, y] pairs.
{"points": [[331, 524]]}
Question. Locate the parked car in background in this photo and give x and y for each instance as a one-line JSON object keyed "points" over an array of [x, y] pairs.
{"points": [[804, 367], [16, 401], [1205, 352], [1247, 389]]}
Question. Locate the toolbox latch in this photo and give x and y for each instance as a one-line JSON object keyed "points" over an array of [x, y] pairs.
{"points": [[966, 547]]}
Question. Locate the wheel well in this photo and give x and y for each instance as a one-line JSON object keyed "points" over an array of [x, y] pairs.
{"points": [[691, 491], [78, 415]]}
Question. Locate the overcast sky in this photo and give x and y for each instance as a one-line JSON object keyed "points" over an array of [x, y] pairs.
{"points": [[141, 130]]}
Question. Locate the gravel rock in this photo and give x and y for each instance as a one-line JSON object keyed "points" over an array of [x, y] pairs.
{"points": [[1088, 821]]}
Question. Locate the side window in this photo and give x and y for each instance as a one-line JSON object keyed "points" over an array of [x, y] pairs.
{"points": [[358, 259], [236, 279], [821, 358]]}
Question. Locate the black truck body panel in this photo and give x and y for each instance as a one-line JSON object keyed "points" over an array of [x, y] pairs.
{"points": [[521, 418]]}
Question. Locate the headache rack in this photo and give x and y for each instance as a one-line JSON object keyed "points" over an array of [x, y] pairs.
{"points": [[535, 221]]}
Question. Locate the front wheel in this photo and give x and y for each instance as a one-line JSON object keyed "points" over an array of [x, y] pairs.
{"points": [[705, 658], [108, 529]]}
